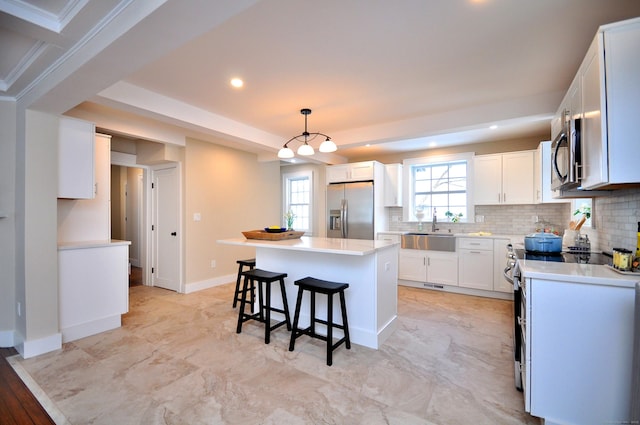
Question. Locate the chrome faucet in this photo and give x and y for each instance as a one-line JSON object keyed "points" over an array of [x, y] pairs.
{"points": [[434, 222]]}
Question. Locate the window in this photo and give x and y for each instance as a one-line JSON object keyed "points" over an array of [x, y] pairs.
{"points": [[580, 207], [439, 183], [297, 199]]}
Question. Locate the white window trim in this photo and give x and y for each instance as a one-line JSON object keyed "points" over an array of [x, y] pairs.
{"points": [[407, 186], [285, 198]]}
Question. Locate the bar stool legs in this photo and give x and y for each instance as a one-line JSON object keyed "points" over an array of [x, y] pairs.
{"points": [[330, 289], [264, 310], [251, 263]]}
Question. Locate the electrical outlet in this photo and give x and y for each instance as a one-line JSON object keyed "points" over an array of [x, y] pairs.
{"points": [[213, 264], [479, 219], [534, 219], [197, 217]]}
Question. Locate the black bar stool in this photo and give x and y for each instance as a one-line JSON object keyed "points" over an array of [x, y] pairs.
{"points": [[264, 313], [314, 286], [251, 263]]}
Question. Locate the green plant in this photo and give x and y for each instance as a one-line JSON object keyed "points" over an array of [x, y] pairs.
{"points": [[453, 217], [289, 217], [584, 210]]}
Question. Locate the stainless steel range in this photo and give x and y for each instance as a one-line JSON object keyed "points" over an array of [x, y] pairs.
{"points": [[513, 275]]}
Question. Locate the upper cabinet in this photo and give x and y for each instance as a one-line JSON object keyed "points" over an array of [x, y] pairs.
{"points": [[542, 176], [610, 103], [356, 171], [504, 178], [393, 185], [76, 159]]}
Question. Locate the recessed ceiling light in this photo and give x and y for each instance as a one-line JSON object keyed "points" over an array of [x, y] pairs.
{"points": [[493, 127], [237, 82], [433, 144], [368, 144]]}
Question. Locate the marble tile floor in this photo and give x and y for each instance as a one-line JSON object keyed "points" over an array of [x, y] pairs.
{"points": [[178, 360]]}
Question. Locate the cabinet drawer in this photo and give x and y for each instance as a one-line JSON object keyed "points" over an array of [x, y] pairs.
{"points": [[475, 243]]}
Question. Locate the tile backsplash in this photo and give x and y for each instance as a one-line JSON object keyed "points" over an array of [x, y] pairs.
{"points": [[498, 219], [616, 220]]}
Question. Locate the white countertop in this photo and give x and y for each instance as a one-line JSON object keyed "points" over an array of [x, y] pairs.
{"points": [[91, 244], [578, 273], [314, 244]]}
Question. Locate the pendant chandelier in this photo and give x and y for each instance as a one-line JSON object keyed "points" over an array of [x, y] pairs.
{"points": [[305, 148]]}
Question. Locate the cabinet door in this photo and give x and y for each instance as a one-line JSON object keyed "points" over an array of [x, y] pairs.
{"points": [[393, 185], [476, 269], [488, 179], [442, 268], [76, 166], [361, 171], [337, 173], [412, 265], [594, 139], [499, 263], [517, 178]]}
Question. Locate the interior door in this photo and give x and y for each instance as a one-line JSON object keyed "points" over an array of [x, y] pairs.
{"points": [[165, 228]]}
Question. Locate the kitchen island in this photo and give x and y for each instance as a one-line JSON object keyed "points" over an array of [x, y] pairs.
{"points": [[370, 267]]}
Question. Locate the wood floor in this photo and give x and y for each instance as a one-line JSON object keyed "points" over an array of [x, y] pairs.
{"points": [[17, 405]]}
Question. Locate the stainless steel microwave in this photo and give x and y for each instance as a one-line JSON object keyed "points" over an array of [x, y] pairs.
{"points": [[566, 157]]}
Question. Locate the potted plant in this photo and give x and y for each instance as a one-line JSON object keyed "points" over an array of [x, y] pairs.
{"points": [[289, 217], [454, 218]]}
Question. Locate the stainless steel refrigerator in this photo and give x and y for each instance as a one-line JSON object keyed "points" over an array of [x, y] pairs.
{"points": [[350, 208]]}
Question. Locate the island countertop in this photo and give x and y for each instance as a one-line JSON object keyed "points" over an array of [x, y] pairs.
{"points": [[317, 244]]}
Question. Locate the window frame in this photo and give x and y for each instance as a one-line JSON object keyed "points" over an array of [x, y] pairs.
{"points": [[287, 178], [409, 189]]}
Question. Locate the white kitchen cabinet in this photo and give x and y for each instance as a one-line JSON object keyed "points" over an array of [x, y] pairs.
{"points": [[475, 263], [500, 284], [90, 219], [393, 185], [392, 237], [442, 268], [579, 350], [611, 100], [504, 178], [93, 282], [412, 265], [356, 171], [428, 266], [76, 166], [542, 176]]}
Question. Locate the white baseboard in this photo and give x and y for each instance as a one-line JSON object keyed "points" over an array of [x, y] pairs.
{"points": [[209, 283], [82, 330], [35, 347], [7, 338]]}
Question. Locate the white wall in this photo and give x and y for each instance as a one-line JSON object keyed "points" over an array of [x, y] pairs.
{"points": [[8, 116]]}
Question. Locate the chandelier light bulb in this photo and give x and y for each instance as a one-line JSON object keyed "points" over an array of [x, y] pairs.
{"points": [[305, 150], [328, 146], [285, 153]]}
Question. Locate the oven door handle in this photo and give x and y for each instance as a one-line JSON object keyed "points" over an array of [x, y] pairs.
{"points": [[507, 275]]}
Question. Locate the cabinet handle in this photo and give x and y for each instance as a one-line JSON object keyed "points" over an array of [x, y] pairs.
{"points": [[504, 197], [428, 261], [499, 197]]}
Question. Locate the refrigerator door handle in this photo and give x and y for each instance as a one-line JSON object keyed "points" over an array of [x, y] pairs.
{"points": [[344, 217]]}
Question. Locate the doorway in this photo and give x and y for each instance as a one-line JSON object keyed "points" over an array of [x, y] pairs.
{"points": [[127, 207]]}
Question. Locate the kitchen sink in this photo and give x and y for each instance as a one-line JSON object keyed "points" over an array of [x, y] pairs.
{"points": [[429, 241]]}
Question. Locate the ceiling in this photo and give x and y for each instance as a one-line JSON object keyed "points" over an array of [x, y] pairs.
{"points": [[397, 76]]}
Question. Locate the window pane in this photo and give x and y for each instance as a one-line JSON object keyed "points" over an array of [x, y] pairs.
{"points": [[440, 185]]}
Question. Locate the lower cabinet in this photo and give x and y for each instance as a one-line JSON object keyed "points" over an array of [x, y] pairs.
{"points": [[428, 266], [475, 263]]}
